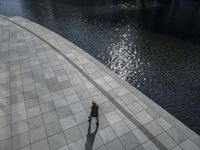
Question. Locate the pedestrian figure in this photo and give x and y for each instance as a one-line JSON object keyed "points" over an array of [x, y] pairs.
{"points": [[94, 112]]}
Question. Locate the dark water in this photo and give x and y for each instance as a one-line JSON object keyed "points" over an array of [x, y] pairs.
{"points": [[156, 49]]}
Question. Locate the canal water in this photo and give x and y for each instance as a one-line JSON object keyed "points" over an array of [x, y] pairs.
{"points": [[156, 49]]}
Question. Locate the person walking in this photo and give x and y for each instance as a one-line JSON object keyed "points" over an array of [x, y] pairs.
{"points": [[94, 112]]}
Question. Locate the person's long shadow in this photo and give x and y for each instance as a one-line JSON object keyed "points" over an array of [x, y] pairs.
{"points": [[90, 137]]}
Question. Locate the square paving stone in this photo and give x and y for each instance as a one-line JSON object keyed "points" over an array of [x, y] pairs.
{"points": [[128, 98], [35, 122], [5, 144], [76, 107], [103, 147], [176, 135], [28, 147], [46, 107], [140, 136], [78, 145], [166, 140], [107, 134], [130, 124], [106, 107], [189, 145], [60, 103], [53, 128], [37, 134], [63, 148], [41, 145], [81, 117], [16, 117], [154, 128], [113, 117], [129, 141], [120, 128], [64, 112], [34, 111], [19, 127], [57, 141], [150, 146], [143, 117], [20, 140], [72, 134], [163, 123], [50, 117], [32, 102], [67, 122], [72, 99], [115, 145], [135, 107]]}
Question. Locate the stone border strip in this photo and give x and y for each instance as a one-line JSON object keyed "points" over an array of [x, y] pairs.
{"points": [[189, 133]]}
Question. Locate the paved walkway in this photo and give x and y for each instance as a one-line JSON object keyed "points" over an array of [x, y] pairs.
{"points": [[47, 85]]}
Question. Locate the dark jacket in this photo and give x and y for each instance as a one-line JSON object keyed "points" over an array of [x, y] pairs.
{"points": [[94, 111]]}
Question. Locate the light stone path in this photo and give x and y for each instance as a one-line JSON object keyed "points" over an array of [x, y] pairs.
{"points": [[47, 85]]}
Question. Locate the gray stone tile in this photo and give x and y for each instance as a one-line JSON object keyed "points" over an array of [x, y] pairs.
{"points": [[140, 136], [34, 111], [165, 139], [106, 107], [189, 145], [176, 135], [130, 124], [150, 146], [115, 145], [41, 145], [32, 102], [84, 95], [143, 117], [35, 122], [57, 141], [19, 127], [103, 147], [46, 107], [72, 134], [107, 134], [128, 98], [20, 140], [78, 145], [60, 103], [135, 107], [177, 148], [154, 128], [5, 144], [113, 117], [72, 99], [63, 148], [139, 148], [164, 124], [50, 117], [53, 128], [28, 147], [81, 117], [120, 128], [67, 122], [37, 134], [76, 107], [129, 141], [64, 112], [16, 117]]}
